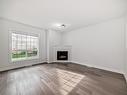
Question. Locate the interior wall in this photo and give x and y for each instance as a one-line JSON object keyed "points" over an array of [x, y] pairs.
{"points": [[53, 39], [5, 26], [126, 47], [100, 45]]}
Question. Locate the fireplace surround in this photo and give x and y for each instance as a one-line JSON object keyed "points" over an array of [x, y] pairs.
{"points": [[62, 53]]}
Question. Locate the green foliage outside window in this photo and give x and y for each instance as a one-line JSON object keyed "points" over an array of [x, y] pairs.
{"points": [[23, 54]]}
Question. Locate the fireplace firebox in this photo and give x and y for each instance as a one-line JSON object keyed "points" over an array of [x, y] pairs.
{"points": [[62, 55]]}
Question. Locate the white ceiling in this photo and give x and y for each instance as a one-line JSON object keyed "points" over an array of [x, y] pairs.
{"points": [[75, 13]]}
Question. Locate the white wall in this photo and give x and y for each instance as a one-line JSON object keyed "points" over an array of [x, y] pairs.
{"points": [[126, 47], [5, 25], [53, 39], [100, 45], [48, 39]]}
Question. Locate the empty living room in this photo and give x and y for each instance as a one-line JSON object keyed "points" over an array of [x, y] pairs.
{"points": [[63, 47]]}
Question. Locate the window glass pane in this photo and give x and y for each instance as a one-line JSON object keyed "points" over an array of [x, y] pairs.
{"points": [[32, 46], [24, 46], [23, 42]]}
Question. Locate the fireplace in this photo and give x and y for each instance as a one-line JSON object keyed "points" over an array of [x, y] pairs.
{"points": [[62, 55]]}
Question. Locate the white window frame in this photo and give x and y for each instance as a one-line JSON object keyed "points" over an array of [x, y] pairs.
{"points": [[22, 33]]}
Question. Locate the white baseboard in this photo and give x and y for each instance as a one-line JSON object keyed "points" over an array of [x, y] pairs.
{"points": [[14, 66], [125, 77], [95, 66], [60, 61], [99, 67]]}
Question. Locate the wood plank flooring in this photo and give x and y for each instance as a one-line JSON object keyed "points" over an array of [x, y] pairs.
{"points": [[61, 79]]}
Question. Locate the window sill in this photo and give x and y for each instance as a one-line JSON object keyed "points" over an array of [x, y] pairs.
{"points": [[24, 59]]}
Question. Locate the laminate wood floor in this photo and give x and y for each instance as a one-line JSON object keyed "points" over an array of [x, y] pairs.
{"points": [[61, 79]]}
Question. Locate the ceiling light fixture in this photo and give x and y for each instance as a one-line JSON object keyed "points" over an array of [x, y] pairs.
{"points": [[60, 25], [63, 25]]}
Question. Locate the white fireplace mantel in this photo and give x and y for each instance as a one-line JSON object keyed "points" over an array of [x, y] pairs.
{"points": [[62, 48]]}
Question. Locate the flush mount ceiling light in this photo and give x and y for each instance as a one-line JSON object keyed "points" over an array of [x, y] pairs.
{"points": [[63, 26], [60, 25]]}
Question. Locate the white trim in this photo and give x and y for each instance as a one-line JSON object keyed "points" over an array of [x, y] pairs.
{"points": [[100, 67], [27, 59], [61, 61], [14, 21], [22, 32], [103, 21], [62, 48], [14, 66], [10, 45], [126, 78]]}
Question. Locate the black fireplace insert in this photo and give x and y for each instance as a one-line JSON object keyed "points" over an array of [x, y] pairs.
{"points": [[62, 55]]}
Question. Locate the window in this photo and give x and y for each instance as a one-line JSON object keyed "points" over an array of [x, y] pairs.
{"points": [[24, 47]]}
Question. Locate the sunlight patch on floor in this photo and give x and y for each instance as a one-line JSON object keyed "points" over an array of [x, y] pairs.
{"points": [[68, 80]]}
